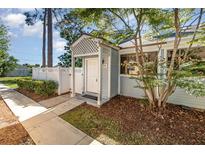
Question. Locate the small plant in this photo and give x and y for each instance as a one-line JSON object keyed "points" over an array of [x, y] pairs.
{"points": [[41, 87]]}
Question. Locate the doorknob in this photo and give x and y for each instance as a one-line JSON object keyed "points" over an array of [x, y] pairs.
{"points": [[96, 80]]}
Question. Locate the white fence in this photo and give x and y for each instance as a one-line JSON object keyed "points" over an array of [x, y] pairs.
{"points": [[62, 76]]}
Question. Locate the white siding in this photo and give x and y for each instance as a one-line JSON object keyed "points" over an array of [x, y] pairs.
{"points": [[127, 87], [79, 80], [180, 97]]}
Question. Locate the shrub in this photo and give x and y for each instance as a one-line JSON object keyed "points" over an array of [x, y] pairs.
{"points": [[26, 84], [45, 87], [41, 87]]}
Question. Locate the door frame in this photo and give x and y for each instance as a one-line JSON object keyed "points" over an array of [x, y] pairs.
{"points": [[85, 78]]}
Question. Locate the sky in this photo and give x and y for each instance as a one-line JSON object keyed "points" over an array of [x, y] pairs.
{"points": [[26, 41]]}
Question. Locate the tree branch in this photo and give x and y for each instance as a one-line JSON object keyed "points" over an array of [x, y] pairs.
{"points": [[113, 12], [194, 35], [176, 42]]}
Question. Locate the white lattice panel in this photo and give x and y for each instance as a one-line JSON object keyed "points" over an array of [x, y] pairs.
{"points": [[85, 46]]}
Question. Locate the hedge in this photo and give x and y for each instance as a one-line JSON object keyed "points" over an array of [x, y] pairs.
{"points": [[41, 87]]}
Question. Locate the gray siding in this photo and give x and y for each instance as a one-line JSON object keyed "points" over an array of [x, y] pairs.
{"points": [[114, 72], [105, 70], [180, 97]]}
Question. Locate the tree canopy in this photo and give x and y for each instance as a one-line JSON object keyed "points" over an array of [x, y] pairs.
{"points": [[116, 25], [71, 28], [7, 62]]}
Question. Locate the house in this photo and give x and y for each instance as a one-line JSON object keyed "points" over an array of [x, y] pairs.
{"points": [[105, 75]]}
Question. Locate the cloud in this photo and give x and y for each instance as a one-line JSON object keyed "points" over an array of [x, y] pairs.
{"points": [[59, 45], [35, 29], [12, 34], [25, 9], [17, 21], [14, 19]]}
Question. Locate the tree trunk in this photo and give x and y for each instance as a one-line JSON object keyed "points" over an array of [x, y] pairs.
{"points": [[176, 43], [44, 40], [50, 38]]}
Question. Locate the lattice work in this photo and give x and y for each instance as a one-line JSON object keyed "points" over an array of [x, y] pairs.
{"points": [[85, 46]]}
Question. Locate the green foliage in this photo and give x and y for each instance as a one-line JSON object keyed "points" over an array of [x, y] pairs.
{"points": [[197, 68], [71, 28], [7, 62], [201, 35], [41, 87], [45, 87], [65, 60], [31, 65], [118, 24], [191, 78], [26, 84], [193, 86]]}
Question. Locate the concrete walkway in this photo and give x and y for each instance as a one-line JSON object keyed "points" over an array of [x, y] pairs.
{"points": [[44, 125], [55, 101]]}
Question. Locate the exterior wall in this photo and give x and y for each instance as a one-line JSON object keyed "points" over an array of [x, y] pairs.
{"points": [[180, 97], [105, 70], [127, 87], [114, 72]]}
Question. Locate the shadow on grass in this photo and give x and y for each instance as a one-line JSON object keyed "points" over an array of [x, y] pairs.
{"points": [[101, 128], [11, 81]]}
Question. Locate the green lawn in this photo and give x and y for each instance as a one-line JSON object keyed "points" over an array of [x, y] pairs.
{"points": [[10, 81], [104, 129]]}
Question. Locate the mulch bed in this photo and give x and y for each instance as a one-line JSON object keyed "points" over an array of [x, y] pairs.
{"points": [[34, 96], [173, 125], [11, 130]]}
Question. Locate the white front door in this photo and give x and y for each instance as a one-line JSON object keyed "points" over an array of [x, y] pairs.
{"points": [[92, 75]]}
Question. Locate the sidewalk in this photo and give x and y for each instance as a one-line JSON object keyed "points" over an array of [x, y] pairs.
{"points": [[43, 125]]}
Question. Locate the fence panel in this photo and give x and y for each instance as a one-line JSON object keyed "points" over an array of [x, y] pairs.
{"points": [[79, 80], [62, 76], [65, 80]]}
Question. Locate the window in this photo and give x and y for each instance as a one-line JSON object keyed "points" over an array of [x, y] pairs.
{"points": [[128, 62], [195, 53]]}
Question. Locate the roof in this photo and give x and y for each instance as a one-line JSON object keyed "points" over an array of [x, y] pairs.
{"points": [[98, 39], [129, 42], [168, 37]]}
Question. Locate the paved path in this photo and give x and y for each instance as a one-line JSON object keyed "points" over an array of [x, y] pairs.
{"points": [[44, 125], [54, 101]]}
